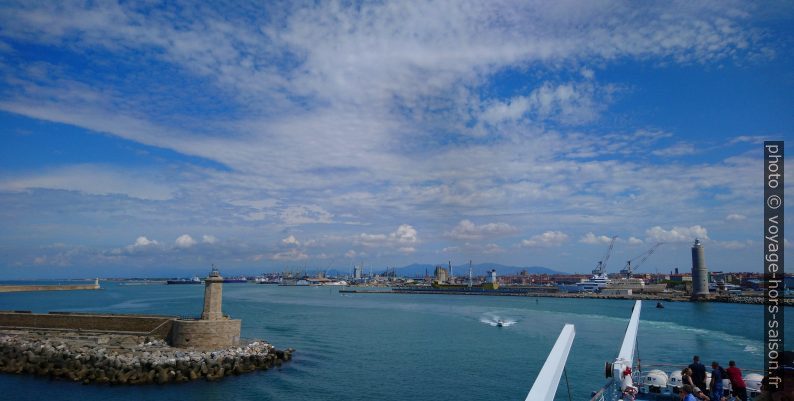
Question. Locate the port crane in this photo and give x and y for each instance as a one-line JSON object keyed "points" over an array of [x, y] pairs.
{"points": [[629, 269], [601, 267]]}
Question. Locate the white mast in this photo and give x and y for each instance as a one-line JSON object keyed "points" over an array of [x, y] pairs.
{"points": [[545, 386], [621, 368]]}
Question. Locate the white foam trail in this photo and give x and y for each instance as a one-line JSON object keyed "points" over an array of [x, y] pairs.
{"points": [[493, 320]]}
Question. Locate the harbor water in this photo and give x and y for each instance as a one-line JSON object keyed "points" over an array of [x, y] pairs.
{"points": [[406, 347]]}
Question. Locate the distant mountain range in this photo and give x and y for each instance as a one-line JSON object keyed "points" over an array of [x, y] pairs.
{"points": [[480, 269]]}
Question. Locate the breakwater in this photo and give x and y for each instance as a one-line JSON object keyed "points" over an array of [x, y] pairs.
{"points": [[126, 359], [68, 287]]}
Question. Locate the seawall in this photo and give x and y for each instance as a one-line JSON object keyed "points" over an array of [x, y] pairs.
{"points": [[71, 287], [150, 325]]}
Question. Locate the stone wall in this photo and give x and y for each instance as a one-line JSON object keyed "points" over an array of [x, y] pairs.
{"points": [[25, 288], [205, 334], [156, 326]]}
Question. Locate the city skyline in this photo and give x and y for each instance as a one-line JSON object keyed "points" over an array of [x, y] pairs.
{"points": [[140, 138]]}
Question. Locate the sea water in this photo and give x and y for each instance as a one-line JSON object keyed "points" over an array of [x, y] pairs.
{"points": [[405, 346]]}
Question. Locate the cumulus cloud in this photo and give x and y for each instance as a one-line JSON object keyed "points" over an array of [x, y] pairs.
{"points": [[467, 230], [403, 239], [735, 217], [290, 240], [547, 239], [676, 234], [591, 238], [185, 241], [142, 244], [634, 241], [142, 241]]}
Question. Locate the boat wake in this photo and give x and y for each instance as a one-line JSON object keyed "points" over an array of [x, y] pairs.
{"points": [[494, 321]]}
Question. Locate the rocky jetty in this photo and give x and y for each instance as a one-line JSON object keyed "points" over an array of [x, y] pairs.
{"points": [[125, 359]]}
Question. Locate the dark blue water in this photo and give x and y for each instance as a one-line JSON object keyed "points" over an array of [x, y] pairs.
{"points": [[405, 347]]}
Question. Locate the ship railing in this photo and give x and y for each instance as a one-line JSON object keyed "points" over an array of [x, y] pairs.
{"points": [[669, 367]]}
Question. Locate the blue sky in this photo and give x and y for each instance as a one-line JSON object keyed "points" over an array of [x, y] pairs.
{"points": [[150, 139]]}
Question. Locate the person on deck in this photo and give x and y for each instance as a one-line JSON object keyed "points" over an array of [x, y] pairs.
{"points": [[686, 378], [716, 381], [737, 383], [698, 373], [686, 393]]}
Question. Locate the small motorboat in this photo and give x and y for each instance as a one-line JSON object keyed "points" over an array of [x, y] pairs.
{"points": [[659, 305], [500, 323]]}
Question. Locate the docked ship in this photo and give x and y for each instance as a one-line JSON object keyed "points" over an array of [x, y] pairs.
{"points": [[599, 279], [627, 284], [193, 280], [596, 282], [632, 286]]}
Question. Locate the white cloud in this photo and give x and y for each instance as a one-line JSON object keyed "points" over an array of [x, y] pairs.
{"points": [[679, 149], [351, 112], [450, 249], [185, 241], [405, 234], [290, 240], [492, 249], [734, 244], [634, 241], [591, 238], [467, 230], [290, 254], [143, 241], [209, 239], [756, 139], [306, 214], [735, 217], [403, 239], [93, 180], [676, 234], [141, 244], [547, 239]]}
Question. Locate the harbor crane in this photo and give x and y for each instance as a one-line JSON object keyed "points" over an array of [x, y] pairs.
{"points": [[629, 269], [601, 267]]}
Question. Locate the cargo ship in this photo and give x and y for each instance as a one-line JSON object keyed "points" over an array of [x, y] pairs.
{"points": [[193, 280]]}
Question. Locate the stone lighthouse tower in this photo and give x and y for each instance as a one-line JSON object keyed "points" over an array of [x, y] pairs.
{"points": [[700, 273], [213, 330], [213, 294]]}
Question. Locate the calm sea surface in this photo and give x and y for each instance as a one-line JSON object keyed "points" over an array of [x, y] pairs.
{"points": [[405, 347]]}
